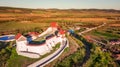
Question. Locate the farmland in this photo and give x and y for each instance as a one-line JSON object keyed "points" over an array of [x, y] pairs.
{"points": [[14, 19], [24, 20]]}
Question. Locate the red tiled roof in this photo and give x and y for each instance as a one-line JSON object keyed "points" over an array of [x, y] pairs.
{"points": [[18, 36], [54, 24], [62, 31]]}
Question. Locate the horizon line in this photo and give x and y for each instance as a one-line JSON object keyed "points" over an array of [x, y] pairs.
{"points": [[60, 8]]}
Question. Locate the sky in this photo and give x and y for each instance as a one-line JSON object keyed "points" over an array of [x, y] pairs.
{"points": [[63, 4]]}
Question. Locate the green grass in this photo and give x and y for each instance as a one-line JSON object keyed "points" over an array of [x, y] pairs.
{"points": [[72, 59], [13, 26], [98, 58], [66, 49], [105, 34], [18, 61], [57, 46], [69, 61]]}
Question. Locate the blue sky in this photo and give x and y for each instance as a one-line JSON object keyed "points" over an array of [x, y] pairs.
{"points": [[63, 4]]}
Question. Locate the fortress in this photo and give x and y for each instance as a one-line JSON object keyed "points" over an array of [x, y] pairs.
{"points": [[27, 46]]}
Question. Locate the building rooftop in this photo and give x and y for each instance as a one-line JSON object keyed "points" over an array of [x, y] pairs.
{"points": [[54, 24], [18, 36], [37, 43], [62, 31]]}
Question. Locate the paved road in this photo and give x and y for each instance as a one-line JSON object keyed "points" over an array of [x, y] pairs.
{"points": [[51, 57]]}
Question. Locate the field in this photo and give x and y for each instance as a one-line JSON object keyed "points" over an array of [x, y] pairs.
{"points": [[21, 20], [14, 19]]}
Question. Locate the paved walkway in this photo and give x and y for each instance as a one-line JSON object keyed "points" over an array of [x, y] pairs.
{"points": [[51, 57]]}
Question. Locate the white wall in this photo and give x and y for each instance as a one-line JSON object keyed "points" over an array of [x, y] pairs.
{"points": [[45, 32], [49, 45], [49, 30], [21, 45], [41, 49], [58, 39], [53, 41], [50, 41]]}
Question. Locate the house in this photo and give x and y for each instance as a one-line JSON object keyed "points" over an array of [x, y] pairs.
{"points": [[40, 48], [26, 44]]}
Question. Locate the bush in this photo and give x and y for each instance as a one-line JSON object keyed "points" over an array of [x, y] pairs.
{"points": [[4, 55], [99, 58]]}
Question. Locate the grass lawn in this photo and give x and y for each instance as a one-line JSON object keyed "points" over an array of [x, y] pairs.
{"points": [[18, 61]]}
